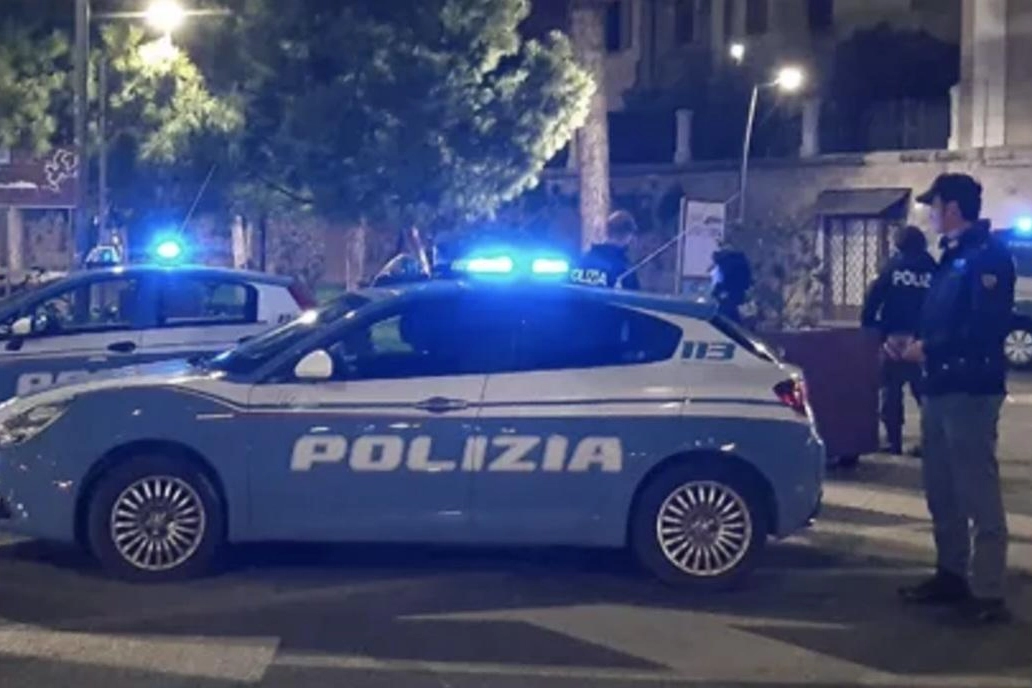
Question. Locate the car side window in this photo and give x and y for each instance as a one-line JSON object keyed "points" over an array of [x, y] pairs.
{"points": [[191, 301], [97, 306], [430, 338], [579, 333]]}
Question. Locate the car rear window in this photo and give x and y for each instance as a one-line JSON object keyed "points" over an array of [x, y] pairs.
{"points": [[745, 339]]}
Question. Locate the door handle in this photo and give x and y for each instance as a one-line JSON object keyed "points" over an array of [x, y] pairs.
{"points": [[441, 405], [126, 347]]}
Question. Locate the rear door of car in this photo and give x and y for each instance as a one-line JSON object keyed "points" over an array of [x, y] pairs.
{"points": [[83, 326], [199, 313], [595, 396]]}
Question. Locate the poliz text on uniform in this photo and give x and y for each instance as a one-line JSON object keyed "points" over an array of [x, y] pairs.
{"points": [[504, 454]]}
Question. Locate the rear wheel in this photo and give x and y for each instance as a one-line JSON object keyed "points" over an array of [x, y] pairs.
{"points": [[1018, 345], [155, 518], [700, 525]]}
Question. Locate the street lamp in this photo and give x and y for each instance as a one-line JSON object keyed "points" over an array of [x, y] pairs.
{"points": [[788, 79], [165, 16], [737, 51]]}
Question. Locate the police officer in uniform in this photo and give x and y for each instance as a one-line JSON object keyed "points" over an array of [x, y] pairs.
{"points": [[607, 264], [960, 342], [893, 307]]}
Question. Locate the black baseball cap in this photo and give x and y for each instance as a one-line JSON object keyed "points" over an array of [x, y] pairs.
{"points": [[952, 187]]}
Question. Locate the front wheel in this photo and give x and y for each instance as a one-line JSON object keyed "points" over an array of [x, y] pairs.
{"points": [[155, 518], [700, 525], [1018, 345]]}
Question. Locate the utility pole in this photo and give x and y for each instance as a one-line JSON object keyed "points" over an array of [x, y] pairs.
{"points": [[102, 154], [81, 225]]}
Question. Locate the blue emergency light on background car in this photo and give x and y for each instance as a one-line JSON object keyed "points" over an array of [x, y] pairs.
{"points": [[1023, 224], [168, 249]]}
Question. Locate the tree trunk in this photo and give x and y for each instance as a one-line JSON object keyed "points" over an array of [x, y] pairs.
{"points": [[587, 27]]}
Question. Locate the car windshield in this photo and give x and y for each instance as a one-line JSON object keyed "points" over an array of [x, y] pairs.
{"points": [[253, 353]]}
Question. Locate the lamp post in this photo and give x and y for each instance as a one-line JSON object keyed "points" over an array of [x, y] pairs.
{"points": [[164, 16], [789, 80]]}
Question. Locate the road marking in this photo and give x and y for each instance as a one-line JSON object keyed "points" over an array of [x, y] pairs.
{"points": [[890, 502], [534, 671], [244, 659]]}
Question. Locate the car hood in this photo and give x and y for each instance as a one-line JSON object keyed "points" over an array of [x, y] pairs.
{"points": [[143, 375]]}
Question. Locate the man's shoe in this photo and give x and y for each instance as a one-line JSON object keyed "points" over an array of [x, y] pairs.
{"points": [[915, 451], [942, 588], [984, 612]]}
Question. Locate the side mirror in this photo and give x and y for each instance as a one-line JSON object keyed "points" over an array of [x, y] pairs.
{"points": [[22, 327], [316, 365]]}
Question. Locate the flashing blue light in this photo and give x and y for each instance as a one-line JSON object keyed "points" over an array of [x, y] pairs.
{"points": [[497, 265], [168, 249], [550, 266], [1024, 224]]}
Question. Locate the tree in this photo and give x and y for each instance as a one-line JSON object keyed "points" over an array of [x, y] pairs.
{"points": [[587, 22], [160, 111], [401, 113]]}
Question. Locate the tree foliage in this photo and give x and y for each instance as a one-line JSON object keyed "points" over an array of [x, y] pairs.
{"points": [[404, 112], [162, 117]]}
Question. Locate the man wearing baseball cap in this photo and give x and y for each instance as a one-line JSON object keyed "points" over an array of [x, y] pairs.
{"points": [[960, 343]]}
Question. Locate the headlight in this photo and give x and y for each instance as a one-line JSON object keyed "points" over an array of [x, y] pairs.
{"points": [[29, 423]]}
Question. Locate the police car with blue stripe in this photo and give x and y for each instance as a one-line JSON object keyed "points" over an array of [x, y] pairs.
{"points": [[463, 411], [95, 320]]}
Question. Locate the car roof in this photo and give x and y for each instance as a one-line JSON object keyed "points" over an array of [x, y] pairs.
{"points": [[193, 270], [702, 309]]}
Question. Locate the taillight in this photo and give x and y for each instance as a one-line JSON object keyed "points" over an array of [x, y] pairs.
{"points": [[302, 296], [792, 394]]}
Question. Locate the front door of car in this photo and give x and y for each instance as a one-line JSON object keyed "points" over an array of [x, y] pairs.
{"points": [[75, 331], [377, 451], [595, 396]]}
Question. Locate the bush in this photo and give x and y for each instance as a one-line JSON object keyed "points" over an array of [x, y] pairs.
{"points": [[787, 274]]}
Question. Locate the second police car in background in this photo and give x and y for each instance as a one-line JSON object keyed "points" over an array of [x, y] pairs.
{"points": [[91, 321], [451, 412]]}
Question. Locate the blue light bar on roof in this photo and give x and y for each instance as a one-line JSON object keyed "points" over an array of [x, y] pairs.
{"points": [[489, 265], [550, 266]]}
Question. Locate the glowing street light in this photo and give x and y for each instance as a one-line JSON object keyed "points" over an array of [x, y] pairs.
{"points": [[165, 16], [789, 79], [737, 51]]}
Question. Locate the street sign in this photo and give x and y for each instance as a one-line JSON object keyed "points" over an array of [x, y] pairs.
{"points": [[47, 182], [702, 225]]}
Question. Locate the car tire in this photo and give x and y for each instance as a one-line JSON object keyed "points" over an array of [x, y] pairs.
{"points": [[729, 509], [155, 518], [1018, 345]]}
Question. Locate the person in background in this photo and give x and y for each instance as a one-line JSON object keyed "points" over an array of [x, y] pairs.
{"points": [[731, 280], [960, 341], [893, 307], [608, 264]]}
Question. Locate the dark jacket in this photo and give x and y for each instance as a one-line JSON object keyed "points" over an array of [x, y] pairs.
{"points": [[602, 266], [894, 300], [734, 283], [967, 316]]}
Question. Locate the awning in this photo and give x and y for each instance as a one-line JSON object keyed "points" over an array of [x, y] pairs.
{"points": [[887, 203]]}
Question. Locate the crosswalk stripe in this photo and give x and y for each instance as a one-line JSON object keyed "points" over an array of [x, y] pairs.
{"points": [[244, 660]]}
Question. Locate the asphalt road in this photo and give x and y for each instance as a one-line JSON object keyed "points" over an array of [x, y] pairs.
{"points": [[821, 612]]}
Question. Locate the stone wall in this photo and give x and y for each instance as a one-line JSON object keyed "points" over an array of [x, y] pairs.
{"points": [[789, 188]]}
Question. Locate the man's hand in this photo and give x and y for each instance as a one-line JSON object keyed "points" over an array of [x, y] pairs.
{"points": [[914, 353]]}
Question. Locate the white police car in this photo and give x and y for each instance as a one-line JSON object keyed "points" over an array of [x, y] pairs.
{"points": [[99, 319], [446, 412]]}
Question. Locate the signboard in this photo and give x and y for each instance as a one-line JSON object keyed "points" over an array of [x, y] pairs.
{"points": [[40, 183], [702, 231]]}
